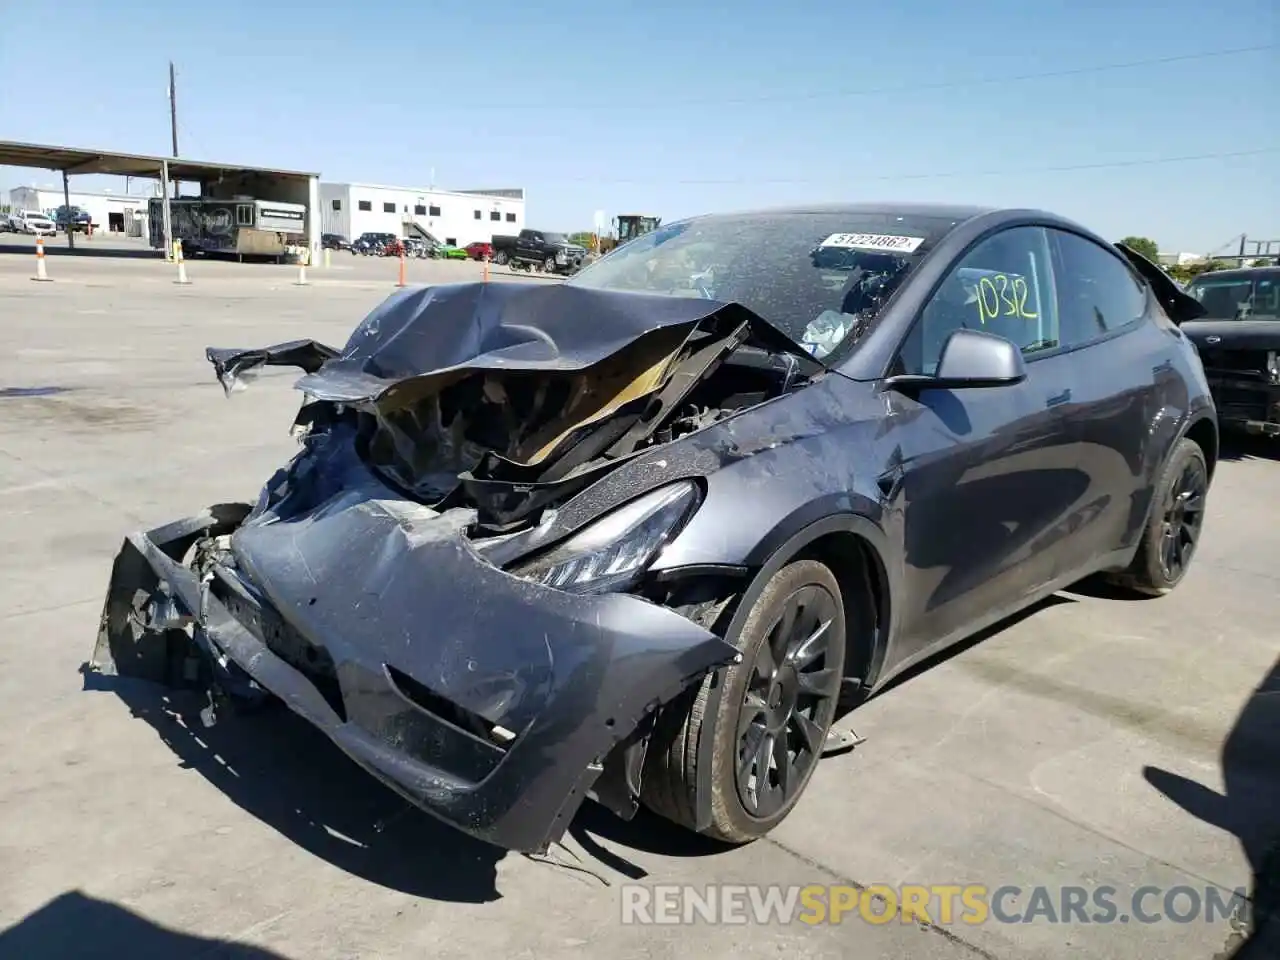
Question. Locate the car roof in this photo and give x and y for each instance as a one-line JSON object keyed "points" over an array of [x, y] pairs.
{"points": [[957, 212], [1235, 273]]}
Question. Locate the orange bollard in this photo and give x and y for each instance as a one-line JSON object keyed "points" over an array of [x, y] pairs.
{"points": [[486, 271], [42, 273], [401, 282]]}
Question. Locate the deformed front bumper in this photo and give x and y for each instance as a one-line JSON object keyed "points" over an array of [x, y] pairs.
{"points": [[488, 701]]}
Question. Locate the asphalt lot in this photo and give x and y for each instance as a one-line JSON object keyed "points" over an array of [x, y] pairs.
{"points": [[1093, 742]]}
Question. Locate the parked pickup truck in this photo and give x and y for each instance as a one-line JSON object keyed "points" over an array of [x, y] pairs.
{"points": [[539, 249]]}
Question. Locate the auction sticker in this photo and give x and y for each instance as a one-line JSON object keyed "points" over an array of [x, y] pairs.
{"points": [[873, 241]]}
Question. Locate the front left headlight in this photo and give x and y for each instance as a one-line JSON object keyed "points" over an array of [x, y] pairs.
{"points": [[613, 552]]}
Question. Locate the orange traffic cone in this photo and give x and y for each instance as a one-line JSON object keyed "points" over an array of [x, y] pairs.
{"points": [[42, 272], [400, 282]]}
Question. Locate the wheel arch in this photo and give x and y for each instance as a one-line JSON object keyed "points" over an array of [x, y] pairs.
{"points": [[1203, 431], [855, 549]]}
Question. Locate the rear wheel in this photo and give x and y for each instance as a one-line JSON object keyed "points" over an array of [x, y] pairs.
{"points": [[500, 258], [772, 720], [1173, 529]]}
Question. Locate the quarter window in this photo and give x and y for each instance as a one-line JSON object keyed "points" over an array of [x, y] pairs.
{"points": [[1097, 292], [1003, 285]]}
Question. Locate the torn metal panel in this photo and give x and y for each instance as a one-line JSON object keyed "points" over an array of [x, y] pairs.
{"points": [[509, 396]]}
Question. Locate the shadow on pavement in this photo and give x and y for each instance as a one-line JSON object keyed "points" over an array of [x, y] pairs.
{"points": [[59, 248], [277, 767], [78, 927], [1248, 808], [1246, 446]]}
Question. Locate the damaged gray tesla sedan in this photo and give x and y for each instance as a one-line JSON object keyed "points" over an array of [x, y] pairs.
{"points": [[633, 536]]}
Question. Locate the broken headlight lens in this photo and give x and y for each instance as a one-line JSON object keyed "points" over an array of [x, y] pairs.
{"points": [[612, 552]]}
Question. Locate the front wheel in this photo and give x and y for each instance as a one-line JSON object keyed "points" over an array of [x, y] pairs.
{"points": [[549, 265], [1173, 530], [771, 724]]}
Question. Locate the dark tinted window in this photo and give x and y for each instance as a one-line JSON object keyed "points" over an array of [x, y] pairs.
{"points": [[435, 211], [1003, 285], [477, 214], [1097, 292], [337, 204], [364, 204], [511, 218], [419, 210], [1238, 296], [388, 208], [495, 215]]}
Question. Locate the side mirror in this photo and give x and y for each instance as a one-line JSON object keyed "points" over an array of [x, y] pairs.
{"points": [[970, 359]]}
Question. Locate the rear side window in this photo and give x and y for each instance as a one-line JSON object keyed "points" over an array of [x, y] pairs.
{"points": [[1002, 285], [1097, 292]]}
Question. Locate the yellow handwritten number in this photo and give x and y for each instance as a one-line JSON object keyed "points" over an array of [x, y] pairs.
{"points": [[1000, 291]]}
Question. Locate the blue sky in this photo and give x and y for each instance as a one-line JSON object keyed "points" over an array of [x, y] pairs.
{"points": [[680, 108]]}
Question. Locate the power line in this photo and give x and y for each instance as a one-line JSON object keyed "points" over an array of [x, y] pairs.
{"points": [[769, 181], [666, 103]]}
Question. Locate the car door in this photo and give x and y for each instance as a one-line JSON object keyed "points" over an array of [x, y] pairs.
{"points": [[527, 243], [980, 475], [1122, 376]]}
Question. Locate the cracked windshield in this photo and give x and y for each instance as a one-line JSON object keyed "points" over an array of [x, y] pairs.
{"points": [[821, 279]]}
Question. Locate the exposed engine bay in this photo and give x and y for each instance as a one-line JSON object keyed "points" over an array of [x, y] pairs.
{"points": [[510, 423]]}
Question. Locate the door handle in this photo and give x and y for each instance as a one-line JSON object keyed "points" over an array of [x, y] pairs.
{"points": [[1058, 398]]}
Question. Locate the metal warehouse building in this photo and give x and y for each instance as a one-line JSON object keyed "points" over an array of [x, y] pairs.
{"points": [[456, 217], [113, 212]]}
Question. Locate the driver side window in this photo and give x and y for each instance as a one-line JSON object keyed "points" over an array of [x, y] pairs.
{"points": [[1003, 285]]}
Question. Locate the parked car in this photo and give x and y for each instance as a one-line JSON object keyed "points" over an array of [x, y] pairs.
{"points": [[68, 219], [447, 251], [334, 241], [416, 247], [538, 249], [33, 222], [479, 250], [634, 536], [1239, 344], [372, 243]]}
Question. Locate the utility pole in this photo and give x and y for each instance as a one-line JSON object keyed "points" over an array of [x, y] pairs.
{"points": [[173, 110]]}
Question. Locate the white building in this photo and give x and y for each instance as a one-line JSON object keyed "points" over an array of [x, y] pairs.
{"points": [[457, 217], [112, 212]]}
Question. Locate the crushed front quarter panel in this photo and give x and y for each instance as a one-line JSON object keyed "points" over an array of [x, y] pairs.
{"points": [[331, 609]]}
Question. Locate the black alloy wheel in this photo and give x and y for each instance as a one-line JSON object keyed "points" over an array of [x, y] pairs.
{"points": [[1183, 519], [789, 704]]}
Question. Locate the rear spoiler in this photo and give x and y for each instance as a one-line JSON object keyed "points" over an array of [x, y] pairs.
{"points": [[1180, 306]]}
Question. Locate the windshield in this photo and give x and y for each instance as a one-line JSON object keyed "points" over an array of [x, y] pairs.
{"points": [[1250, 296], [554, 238], [820, 278]]}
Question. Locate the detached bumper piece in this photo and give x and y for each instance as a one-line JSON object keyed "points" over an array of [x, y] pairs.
{"points": [[491, 702]]}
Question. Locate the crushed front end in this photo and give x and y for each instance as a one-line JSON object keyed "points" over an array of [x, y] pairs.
{"points": [[414, 582], [1241, 360]]}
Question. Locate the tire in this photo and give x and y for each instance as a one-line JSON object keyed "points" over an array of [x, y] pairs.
{"points": [[1178, 509], [549, 265], [500, 258], [671, 778]]}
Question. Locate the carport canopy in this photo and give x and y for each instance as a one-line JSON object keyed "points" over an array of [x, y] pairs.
{"points": [[77, 160]]}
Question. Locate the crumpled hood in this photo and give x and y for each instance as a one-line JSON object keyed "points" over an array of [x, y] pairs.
{"points": [[515, 396], [452, 329]]}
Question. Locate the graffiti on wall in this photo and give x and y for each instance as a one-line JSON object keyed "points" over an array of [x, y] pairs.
{"points": [[201, 224]]}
